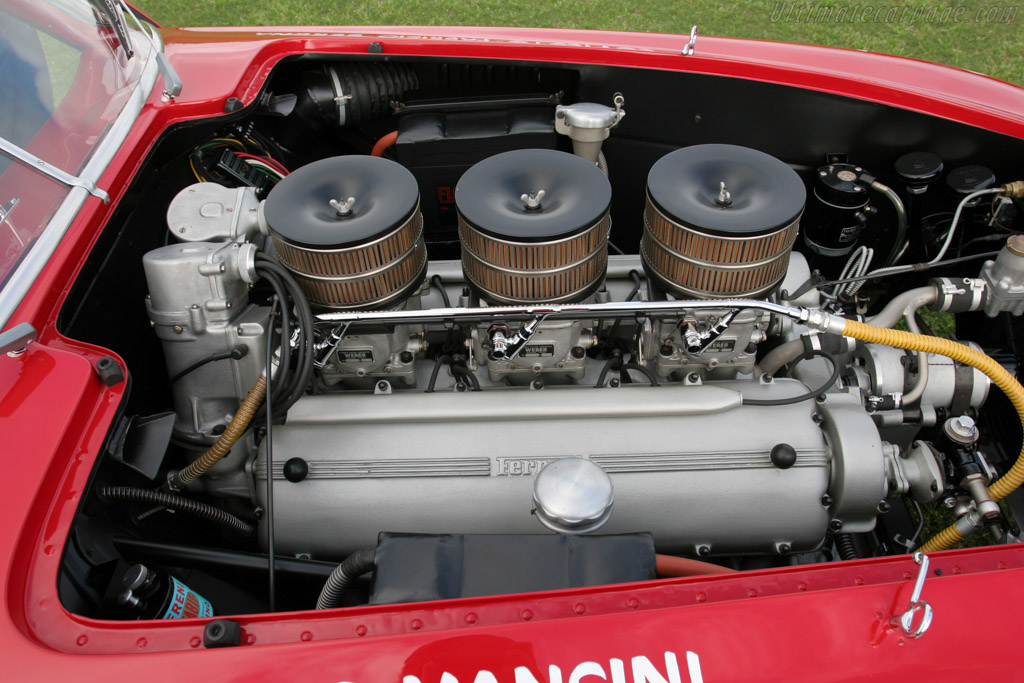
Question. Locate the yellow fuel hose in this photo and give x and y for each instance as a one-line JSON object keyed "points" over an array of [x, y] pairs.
{"points": [[238, 425], [963, 354]]}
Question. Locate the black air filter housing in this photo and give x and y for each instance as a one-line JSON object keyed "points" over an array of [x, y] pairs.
{"points": [[367, 255], [720, 221], [538, 249]]}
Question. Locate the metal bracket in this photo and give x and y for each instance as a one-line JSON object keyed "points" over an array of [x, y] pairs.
{"points": [[14, 340], [688, 48], [51, 171], [7, 208], [507, 348], [323, 350], [918, 610], [172, 81]]}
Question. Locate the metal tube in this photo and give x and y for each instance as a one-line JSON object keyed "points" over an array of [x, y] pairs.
{"points": [[614, 309]]}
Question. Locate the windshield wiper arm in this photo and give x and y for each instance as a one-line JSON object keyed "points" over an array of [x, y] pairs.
{"points": [[112, 11]]}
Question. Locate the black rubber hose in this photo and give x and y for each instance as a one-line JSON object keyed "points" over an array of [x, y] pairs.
{"points": [[460, 371], [297, 385], [457, 370], [643, 369], [612, 362], [637, 284], [846, 546], [281, 375], [438, 362], [355, 565], [436, 281], [809, 394], [237, 353], [130, 494]]}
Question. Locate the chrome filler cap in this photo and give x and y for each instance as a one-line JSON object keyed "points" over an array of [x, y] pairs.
{"points": [[573, 496]]}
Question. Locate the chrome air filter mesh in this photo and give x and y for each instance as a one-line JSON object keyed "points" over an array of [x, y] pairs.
{"points": [[367, 253], [534, 224], [720, 221]]}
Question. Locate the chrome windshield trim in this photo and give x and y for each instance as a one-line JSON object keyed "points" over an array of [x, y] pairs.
{"points": [[31, 266], [49, 170]]}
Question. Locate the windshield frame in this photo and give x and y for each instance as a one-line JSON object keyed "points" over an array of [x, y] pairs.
{"points": [[25, 272]]}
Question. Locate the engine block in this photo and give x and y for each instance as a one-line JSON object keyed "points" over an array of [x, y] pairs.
{"points": [[464, 463]]}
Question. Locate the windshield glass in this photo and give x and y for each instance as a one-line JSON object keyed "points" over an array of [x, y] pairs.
{"points": [[65, 77]]}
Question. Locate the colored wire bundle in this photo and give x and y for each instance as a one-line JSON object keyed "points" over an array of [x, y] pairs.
{"points": [[203, 160]]}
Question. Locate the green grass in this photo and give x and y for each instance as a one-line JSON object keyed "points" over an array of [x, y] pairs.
{"points": [[900, 28]]}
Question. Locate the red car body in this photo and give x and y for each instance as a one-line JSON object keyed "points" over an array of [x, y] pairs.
{"points": [[824, 622]]}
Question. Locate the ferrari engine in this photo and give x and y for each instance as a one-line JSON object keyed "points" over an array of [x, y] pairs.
{"points": [[436, 418], [444, 354]]}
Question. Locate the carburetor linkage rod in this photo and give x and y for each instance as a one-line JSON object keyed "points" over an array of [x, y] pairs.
{"points": [[614, 309], [507, 349]]}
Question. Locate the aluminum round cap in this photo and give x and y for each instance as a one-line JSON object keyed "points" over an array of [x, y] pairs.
{"points": [[586, 115], [135, 577], [573, 496]]}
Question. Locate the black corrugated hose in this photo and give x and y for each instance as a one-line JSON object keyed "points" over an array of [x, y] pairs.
{"points": [[355, 565], [130, 494], [847, 549]]}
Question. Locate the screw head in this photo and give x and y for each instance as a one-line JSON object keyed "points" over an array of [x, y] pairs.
{"points": [[883, 507], [693, 377], [613, 382], [817, 418], [178, 329], [703, 550], [826, 501], [835, 525]]}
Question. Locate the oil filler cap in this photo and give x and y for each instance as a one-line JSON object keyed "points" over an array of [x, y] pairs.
{"points": [[573, 496]]}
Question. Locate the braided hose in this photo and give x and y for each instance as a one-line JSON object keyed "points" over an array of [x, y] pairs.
{"points": [[222, 447], [1009, 482], [131, 494]]}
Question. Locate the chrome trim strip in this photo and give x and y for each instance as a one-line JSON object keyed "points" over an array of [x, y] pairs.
{"points": [[49, 170]]}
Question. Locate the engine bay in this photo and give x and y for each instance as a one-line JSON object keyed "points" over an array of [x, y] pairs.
{"points": [[425, 330]]}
